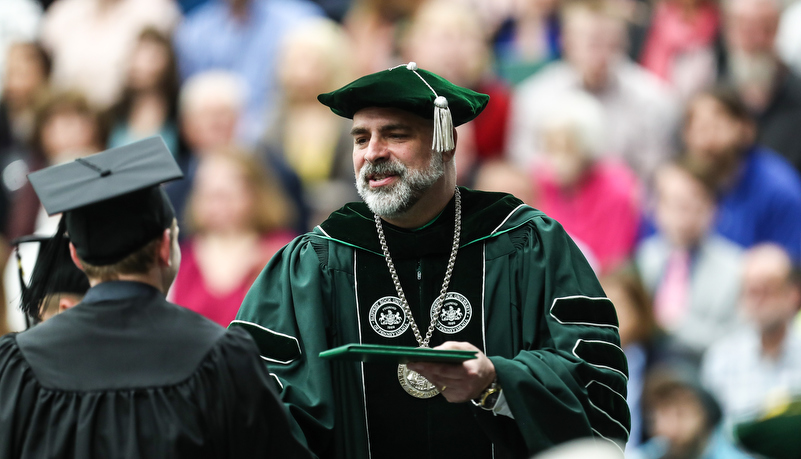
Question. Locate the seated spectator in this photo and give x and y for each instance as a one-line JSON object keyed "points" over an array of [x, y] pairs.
{"points": [[19, 21], [748, 61], [25, 84], [684, 418], [66, 126], [237, 219], [315, 58], [679, 47], [638, 338], [149, 103], [638, 109], [26, 80], [502, 176], [692, 273], [595, 199], [759, 192], [242, 37], [750, 368], [447, 38], [528, 39], [210, 106], [92, 57], [374, 27]]}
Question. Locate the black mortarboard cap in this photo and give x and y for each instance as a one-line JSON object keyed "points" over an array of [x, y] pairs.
{"points": [[53, 273], [112, 200]]}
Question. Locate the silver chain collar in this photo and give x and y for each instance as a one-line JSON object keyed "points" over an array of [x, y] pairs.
{"points": [[457, 230]]}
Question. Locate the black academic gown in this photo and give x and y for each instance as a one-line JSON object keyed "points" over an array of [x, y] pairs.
{"points": [[126, 374]]}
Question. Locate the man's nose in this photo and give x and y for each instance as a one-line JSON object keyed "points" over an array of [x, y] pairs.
{"points": [[377, 150]]}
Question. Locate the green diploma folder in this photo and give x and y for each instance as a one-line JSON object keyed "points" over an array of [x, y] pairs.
{"points": [[376, 353]]}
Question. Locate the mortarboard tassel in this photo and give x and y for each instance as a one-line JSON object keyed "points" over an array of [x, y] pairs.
{"points": [[443, 126], [443, 120]]}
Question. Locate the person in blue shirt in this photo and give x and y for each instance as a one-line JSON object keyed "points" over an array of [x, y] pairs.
{"points": [[242, 36], [759, 192]]}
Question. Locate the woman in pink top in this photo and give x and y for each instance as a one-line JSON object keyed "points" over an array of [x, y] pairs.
{"points": [[596, 200], [679, 46], [237, 219]]}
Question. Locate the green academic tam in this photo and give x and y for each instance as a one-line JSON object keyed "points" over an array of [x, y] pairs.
{"points": [[410, 88], [776, 435]]}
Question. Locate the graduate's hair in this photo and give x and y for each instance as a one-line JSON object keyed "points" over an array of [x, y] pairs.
{"points": [[139, 261]]}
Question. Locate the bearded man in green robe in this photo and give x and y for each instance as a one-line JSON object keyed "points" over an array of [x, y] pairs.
{"points": [[422, 262]]}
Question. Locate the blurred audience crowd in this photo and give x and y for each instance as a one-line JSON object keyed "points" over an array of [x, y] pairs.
{"points": [[665, 136]]}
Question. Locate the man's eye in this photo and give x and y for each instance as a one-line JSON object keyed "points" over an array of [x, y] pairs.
{"points": [[360, 141]]}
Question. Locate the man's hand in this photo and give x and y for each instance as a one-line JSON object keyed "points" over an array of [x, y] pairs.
{"points": [[462, 382]]}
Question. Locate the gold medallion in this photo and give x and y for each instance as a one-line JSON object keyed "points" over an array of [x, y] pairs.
{"points": [[415, 384]]}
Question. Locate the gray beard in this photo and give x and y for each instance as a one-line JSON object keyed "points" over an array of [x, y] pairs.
{"points": [[752, 69], [395, 200]]}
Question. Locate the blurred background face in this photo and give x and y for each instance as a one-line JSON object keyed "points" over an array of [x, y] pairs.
{"points": [[769, 299], [592, 43], [751, 25], [25, 75], [69, 133], [750, 35], [222, 199], [447, 39], [504, 177], [535, 8], [684, 210], [303, 71], [148, 64], [563, 156], [209, 123], [681, 420], [713, 137]]}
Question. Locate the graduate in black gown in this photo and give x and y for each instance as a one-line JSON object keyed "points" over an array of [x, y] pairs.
{"points": [[125, 373]]}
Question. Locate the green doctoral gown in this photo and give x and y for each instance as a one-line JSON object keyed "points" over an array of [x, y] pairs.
{"points": [[521, 292]]}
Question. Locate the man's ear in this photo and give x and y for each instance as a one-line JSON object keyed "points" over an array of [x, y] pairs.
{"points": [[446, 156], [66, 302], [74, 256], [165, 248]]}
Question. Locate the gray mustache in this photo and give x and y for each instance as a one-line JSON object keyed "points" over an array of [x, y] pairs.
{"points": [[382, 168]]}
